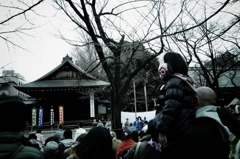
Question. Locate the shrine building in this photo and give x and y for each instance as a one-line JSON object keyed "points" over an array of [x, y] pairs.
{"points": [[69, 86]]}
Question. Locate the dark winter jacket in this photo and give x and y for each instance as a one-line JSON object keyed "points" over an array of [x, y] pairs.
{"points": [[10, 141], [178, 99], [204, 138]]}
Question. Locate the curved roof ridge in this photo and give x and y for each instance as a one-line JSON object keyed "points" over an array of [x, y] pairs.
{"points": [[66, 59]]}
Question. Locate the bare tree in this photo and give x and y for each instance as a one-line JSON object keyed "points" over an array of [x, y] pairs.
{"points": [[108, 26], [86, 58], [19, 9], [213, 47]]}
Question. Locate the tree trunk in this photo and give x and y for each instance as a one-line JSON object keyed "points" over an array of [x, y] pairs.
{"points": [[116, 105]]}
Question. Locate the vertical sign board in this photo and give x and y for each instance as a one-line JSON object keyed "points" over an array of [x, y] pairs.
{"points": [[61, 115], [40, 117], [51, 116], [92, 108], [34, 116]]}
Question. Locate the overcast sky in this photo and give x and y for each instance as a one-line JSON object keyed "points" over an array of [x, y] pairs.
{"points": [[44, 50]]}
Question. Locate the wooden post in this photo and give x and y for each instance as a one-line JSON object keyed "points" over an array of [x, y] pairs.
{"points": [[135, 99]]}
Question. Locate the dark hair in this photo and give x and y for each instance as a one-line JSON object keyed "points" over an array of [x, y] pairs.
{"points": [[13, 115], [151, 126], [176, 63], [39, 130], [80, 137], [152, 129], [60, 126], [67, 134], [141, 134], [96, 144], [80, 124], [32, 136], [52, 138], [135, 135]]}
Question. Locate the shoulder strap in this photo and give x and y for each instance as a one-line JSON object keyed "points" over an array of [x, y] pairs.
{"points": [[187, 79], [16, 151], [137, 149]]}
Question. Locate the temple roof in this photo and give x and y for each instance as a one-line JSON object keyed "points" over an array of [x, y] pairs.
{"points": [[66, 75], [65, 62]]}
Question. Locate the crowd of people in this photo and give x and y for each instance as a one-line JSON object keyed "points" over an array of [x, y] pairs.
{"points": [[187, 124]]}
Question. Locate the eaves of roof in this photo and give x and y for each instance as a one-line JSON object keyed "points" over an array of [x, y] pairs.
{"points": [[64, 84]]}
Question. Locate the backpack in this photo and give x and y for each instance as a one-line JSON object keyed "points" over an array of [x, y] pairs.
{"points": [[123, 154], [223, 134], [142, 150], [199, 149], [133, 151]]}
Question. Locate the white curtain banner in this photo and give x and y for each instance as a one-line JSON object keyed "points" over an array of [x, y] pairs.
{"points": [[34, 116], [51, 116]]}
